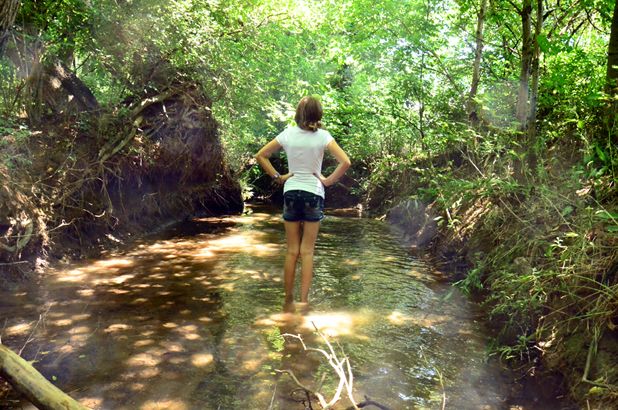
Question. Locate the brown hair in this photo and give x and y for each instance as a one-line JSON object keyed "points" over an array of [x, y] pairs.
{"points": [[309, 114]]}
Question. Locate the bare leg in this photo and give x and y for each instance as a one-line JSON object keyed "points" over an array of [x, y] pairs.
{"points": [[307, 244], [292, 236]]}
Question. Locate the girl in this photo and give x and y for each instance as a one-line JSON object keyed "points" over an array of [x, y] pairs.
{"points": [[303, 191]]}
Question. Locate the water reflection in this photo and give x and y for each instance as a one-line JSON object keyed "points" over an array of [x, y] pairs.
{"points": [[192, 319]]}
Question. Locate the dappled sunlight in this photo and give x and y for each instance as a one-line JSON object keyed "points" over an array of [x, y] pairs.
{"points": [[416, 274], [117, 327], [423, 319], [145, 359], [202, 317], [351, 262], [113, 263], [280, 319], [74, 275], [243, 242], [334, 324], [144, 342], [91, 402], [166, 404], [108, 266], [18, 330], [202, 359], [61, 322]]}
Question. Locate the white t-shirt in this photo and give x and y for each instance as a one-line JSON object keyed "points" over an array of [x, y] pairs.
{"points": [[305, 150]]}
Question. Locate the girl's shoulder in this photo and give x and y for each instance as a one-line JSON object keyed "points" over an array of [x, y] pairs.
{"points": [[326, 136]]}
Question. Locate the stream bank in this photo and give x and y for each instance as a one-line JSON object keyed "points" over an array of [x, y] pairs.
{"points": [[76, 185], [541, 259]]}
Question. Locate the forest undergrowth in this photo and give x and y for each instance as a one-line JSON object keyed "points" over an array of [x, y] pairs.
{"points": [[540, 251]]}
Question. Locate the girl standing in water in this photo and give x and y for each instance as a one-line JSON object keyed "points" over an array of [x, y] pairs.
{"points": [[303, 191]]}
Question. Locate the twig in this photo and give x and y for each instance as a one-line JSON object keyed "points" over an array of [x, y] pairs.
{"points": [[12, 263], [299, 384], [345, 380], [591, 352], [30, 337], [272, 399], [369, 402]]}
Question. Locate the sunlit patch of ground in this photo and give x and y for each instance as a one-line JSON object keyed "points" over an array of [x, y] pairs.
{"points": [[91, 402]]}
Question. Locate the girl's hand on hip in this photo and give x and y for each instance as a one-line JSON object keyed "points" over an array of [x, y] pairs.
{"points": [[322, 179], [281, 180]]}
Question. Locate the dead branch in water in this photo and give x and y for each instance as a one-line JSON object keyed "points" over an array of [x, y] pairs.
{"points": [[369, 402], [342, 368], [339, 366], [26, 380]]}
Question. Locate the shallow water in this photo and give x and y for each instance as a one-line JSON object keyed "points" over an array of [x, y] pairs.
{"points": [[192, 319]]}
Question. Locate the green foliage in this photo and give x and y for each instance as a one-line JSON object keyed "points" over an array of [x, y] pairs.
{"points": [[14, 141], [473, 282], [10, 88], [276, 339], [394, 78]]}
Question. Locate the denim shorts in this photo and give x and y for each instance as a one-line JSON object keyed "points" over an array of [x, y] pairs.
{"points": [[302, 206]]}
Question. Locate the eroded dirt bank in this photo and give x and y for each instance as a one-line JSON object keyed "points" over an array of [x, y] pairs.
{"points": [[85, 182]]}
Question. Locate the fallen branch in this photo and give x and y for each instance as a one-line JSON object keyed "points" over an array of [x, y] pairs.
{"points": [[369, 402], [27, 381], [340, 366], [317, 394]]}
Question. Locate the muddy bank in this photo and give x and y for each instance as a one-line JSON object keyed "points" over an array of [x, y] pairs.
{"points": [[79, 184]]}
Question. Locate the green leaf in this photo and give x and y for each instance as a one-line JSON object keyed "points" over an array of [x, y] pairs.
{"points": [[567, 210], [602, 155], [606, 215], [544, 43]]}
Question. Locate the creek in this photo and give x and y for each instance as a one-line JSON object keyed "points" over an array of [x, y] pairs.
{"points": [[191, 318]]}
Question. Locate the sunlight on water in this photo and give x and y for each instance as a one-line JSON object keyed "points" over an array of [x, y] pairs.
{"points": [[194, 318]]}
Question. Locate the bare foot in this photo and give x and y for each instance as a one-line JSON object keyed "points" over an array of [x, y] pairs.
{"points": [[289, 307], [304, 307]]}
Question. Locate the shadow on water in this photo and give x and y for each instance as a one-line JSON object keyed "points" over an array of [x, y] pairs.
{"points": [[193, 318]]}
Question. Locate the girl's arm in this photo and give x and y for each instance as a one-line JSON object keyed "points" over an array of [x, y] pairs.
{"points": [[342, 167], [263, 158]]}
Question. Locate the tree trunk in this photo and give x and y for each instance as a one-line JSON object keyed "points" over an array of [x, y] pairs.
{"points": [[56, 90], [8, 12], [26, 380], [612, 56], [611, 84], [534, 89], [472, 106], [526, 58]]}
